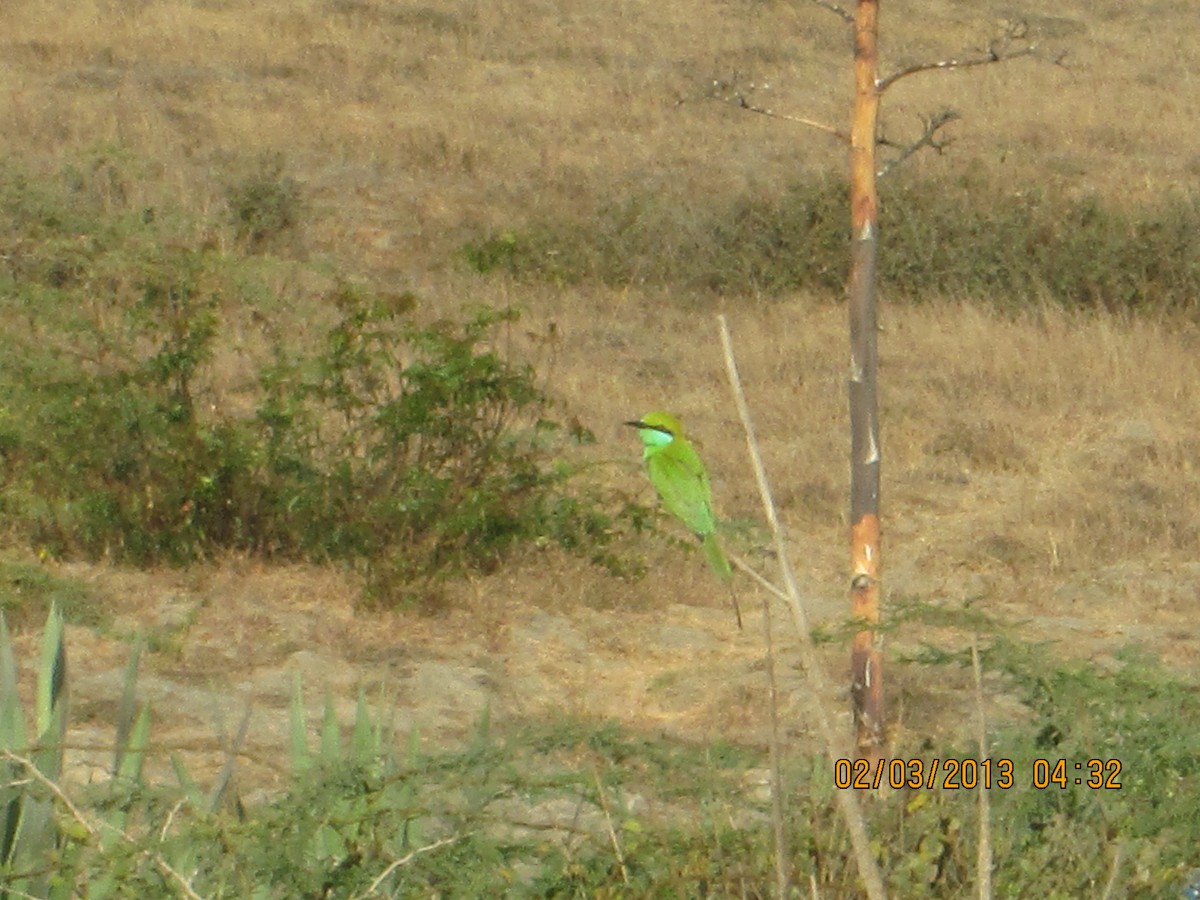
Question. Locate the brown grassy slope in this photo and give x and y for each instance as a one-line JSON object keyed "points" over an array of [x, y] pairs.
{"points": [[1036, 467], [417, 125]]}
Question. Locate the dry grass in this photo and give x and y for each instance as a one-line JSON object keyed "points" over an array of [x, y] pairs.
{"points": [[414, 125], [1039, 465]]}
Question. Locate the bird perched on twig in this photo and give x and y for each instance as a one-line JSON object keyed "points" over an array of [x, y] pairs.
{"points": [[681, 480]]}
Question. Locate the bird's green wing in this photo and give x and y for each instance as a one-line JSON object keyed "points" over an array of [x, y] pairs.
{"points": [[682, 483]]}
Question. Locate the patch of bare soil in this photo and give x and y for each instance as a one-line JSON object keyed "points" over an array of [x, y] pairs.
{"points": [[233, 637]]}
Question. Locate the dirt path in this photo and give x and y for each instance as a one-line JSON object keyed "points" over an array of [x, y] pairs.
{"points": [[234, 635]]}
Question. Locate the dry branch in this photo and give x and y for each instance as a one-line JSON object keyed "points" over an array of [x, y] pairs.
{"points": [[612, 831], [404, 861], [1008, 46], [93, 828], [983, 856], [1003, 48], [928, 138], [743, 103], [846, 15], [783, 875], [847, 800], [727, 92]]}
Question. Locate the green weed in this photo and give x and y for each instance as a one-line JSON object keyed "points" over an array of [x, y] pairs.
{"points": [[562, 807], [412, 451], [968, 237], [266, 206]]}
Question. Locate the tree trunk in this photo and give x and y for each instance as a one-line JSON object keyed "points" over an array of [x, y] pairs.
{"points": [[866, 659]]}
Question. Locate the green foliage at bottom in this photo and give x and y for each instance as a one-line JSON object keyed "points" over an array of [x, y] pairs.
{"points": [[564, 807]]}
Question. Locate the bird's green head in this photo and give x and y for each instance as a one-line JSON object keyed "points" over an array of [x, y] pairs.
{"points": [[657, 429]]}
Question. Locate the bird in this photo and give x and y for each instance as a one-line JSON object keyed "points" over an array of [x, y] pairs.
{"points": [[679, 477]]}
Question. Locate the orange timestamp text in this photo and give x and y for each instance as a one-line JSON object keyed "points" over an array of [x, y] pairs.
{"points": [[974, 774]]}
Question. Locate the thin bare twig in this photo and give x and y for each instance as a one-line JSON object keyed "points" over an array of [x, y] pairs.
{"points": [[928, 138], [1114, 871], [93, 829], [791, 591], [743, 103], [405, 860], [847, 800], [846, 15], [1008, 46], [743, 566], [737, 609], [729, 92], [612, 832], [983, 857], [162, 834], [782, 873], [53, 788]]}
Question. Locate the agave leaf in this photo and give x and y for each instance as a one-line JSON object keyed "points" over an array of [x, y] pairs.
{"points": [[130, 771], [301, 758], [47, 755], [406, 799], [38, 834], [331, 735], [127, 708], [10, 815], [404, 795], [364, 739], [483, 730], [412, 755], [12, 737], [28, 833], [52, 676], [387, 727], [36, 841], [12, 722], [231, 754], [188, 784], [128, 776]]}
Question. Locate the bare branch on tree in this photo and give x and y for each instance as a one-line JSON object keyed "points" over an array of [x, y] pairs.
{"points": [[727, 92], [928, 138], [846, 15], [811, 123], [1008, 46]]}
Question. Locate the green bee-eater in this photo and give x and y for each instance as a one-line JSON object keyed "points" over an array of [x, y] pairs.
{"points": [[679, 476]]}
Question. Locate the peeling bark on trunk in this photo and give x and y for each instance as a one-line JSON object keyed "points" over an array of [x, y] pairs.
{"points": [[866, 659]]}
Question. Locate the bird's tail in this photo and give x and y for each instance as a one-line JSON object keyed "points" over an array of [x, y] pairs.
{"points": [[720, 564], [716, 557]]}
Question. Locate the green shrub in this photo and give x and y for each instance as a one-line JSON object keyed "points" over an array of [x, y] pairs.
{"points": [[411, 451], [419, 450], [265, 205], [972, 238], [110, 452], [492, 254], [967, 237], [754, 244]]}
